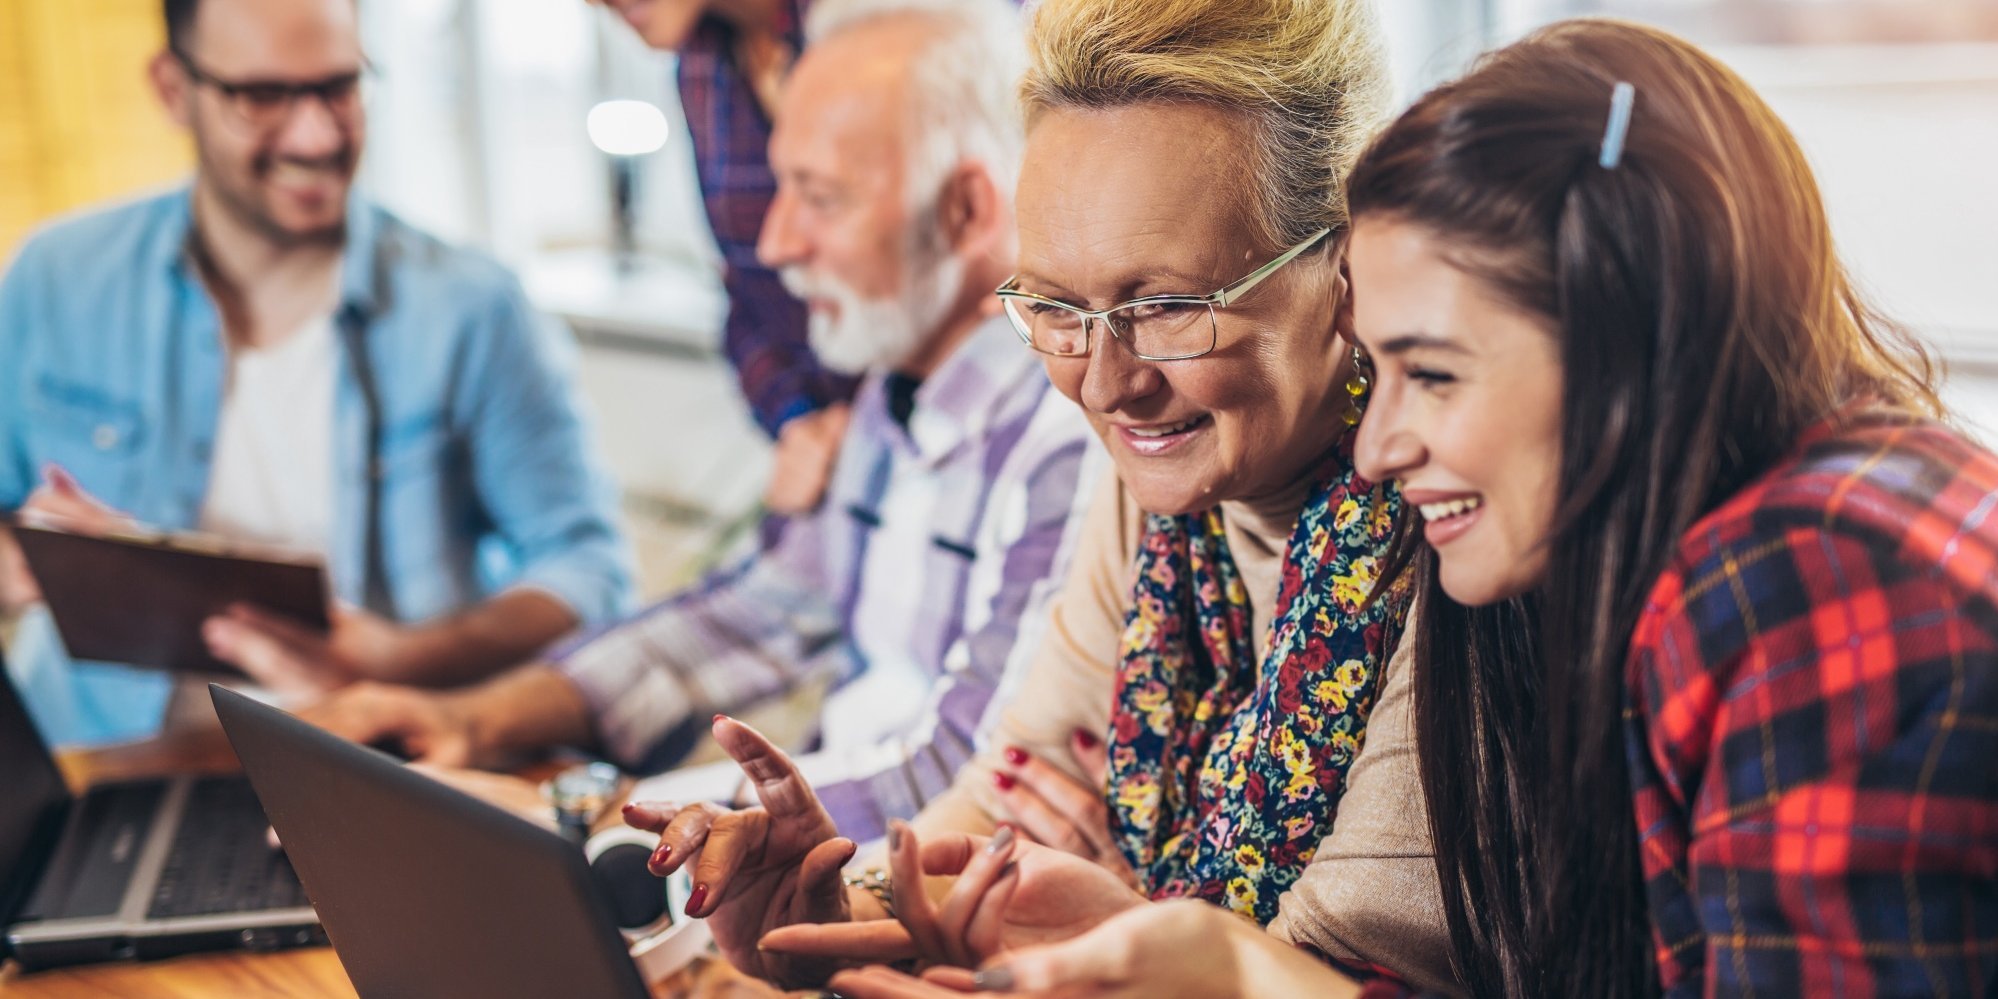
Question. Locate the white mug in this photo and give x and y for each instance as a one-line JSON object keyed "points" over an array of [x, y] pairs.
{"points": [[674, 940]]}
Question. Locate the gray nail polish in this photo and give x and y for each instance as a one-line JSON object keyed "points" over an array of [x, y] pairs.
{"points": [[993, 979], [1001, 841], [895, 836]]}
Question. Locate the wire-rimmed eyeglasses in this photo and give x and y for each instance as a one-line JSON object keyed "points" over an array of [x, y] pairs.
{"points": [[1156, 327]]}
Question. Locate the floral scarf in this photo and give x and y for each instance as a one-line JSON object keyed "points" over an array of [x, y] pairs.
{"points": [[1224, 776]]}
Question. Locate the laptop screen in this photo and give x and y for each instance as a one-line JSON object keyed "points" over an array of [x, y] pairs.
{"points": [[32, 805]]}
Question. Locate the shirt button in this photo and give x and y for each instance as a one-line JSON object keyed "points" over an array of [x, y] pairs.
{"points": [[106, 437]]}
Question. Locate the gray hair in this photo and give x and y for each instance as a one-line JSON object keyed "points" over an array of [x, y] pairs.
{"points": [[962, 98]]}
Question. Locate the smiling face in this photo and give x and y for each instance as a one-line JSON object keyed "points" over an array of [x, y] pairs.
{"points": [[289, 180], [1465, 412], [1149, 200], [875, 272]]}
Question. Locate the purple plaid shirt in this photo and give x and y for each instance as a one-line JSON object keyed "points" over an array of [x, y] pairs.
{"points": [[918, 587], [765, 334]]}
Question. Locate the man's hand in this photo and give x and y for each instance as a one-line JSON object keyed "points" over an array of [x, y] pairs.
{"points": [[807, 446], [516, 795], [531, 708], [430, 727], [756, 869], [17, 585], [296, 661], [1054, 809], [61, 503]]}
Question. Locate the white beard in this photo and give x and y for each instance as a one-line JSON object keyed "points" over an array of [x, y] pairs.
{"points": [[864, 334]]}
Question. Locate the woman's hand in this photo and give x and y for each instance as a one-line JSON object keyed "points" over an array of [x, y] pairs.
{"points": [[1167, 949], [877, 982], [1008, 894], [756, 869], [1056, 810]]}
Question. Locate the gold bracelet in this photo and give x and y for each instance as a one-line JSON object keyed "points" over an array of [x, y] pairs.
{"points": [[875, 882]]}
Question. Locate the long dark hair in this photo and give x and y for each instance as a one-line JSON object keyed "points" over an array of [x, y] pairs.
{"points": [[1704, 323]]}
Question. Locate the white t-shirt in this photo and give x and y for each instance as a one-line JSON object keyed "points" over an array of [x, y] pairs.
{"points": [[272, 477]]}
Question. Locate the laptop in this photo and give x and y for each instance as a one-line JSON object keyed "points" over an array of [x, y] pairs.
{"points": [[426, 891], [137, 869]]}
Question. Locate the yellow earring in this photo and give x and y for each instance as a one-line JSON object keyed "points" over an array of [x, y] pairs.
{"points": [[1356, 390]]}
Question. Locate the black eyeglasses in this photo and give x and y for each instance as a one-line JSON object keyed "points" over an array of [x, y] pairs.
{"points": [[263, 105]]}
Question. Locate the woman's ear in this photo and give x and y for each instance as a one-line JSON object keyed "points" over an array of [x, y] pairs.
{"points": [[1342, 296]]}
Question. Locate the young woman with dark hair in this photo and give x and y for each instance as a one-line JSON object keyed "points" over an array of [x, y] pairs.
{"points": [[1714, 596]]}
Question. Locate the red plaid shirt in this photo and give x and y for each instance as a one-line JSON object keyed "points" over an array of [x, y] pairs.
{"points": [[1813, 726]]}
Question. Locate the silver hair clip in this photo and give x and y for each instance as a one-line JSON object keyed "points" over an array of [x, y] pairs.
{"points": [[1619, 124]]}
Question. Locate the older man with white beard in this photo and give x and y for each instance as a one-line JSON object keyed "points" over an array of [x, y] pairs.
{"points": [[921, 582]]}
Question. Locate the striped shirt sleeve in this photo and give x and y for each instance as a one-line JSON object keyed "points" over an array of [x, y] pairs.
{"points": [[760, 629]]}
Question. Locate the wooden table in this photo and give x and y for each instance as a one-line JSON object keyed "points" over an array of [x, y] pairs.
{"points": [[305, 973]]}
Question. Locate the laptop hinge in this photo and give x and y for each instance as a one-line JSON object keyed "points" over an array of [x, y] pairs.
{"points": [[35, 859]]}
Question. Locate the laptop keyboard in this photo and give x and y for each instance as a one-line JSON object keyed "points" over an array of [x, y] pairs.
{"points": [[219, 861], [89, 874]]}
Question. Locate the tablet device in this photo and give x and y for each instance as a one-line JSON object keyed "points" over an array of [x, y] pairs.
{"points": [[139, 599]]}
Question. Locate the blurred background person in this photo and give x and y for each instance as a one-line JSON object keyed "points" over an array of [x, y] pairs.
{"points": [[238, 354], [733, 57]]}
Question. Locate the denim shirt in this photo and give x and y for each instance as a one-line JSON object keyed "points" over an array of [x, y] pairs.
{"points": [[112, 365]]}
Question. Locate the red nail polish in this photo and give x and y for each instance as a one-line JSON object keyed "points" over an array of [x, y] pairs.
{"points": [[1087, 739], [1003, 779], [1016, 756], [694, 901], [663, 854], [629, 806]]}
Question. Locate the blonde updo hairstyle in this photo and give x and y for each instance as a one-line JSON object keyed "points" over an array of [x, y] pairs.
{"points": [[1307, 77]]}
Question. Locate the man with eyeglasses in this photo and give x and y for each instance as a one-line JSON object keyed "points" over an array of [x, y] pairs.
{"points": [[265, 355], [920, 585]]}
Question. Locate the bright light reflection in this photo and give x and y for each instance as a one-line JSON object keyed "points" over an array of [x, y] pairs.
{"points": [[627, 128]]}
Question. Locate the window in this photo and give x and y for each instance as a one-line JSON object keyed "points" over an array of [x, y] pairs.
{"points": [[477, 126], [1894, 101]]}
